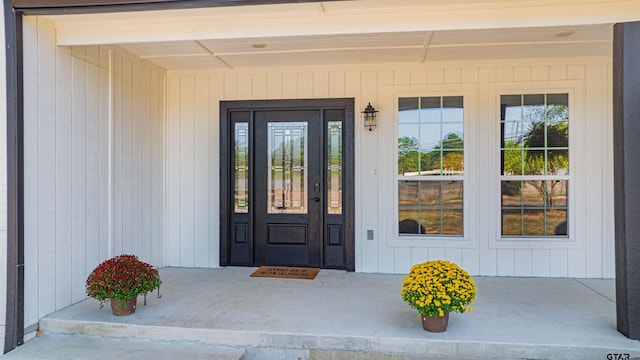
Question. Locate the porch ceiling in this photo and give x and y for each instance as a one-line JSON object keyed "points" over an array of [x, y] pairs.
{"points": [[355, 32], [413, 47]]}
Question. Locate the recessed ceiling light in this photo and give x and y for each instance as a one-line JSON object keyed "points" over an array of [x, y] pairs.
{"points": [[258, 45], [565, 33]]}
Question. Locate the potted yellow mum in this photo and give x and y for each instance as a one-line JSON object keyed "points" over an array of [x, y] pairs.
{"points": [[435, 288]]}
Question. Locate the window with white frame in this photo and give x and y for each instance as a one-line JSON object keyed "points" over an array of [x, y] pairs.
{"points": [[430, 165], [534, 154]]}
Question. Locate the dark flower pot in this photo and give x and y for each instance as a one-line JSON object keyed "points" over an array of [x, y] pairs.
{"points": [[435, 324], [129, 308]]}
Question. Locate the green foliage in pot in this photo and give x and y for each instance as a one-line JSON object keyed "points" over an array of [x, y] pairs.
{"points": [[121, 278]]}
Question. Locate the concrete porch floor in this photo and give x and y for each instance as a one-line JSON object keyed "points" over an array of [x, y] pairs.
{"points": [[342, 315]]}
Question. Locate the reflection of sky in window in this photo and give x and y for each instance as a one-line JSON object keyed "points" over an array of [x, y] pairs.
{"points": [[428, 127]]}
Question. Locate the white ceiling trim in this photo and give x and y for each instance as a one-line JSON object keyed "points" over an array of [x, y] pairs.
{"points": [[333, 18]]}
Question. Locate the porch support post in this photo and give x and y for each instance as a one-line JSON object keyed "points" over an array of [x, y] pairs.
{"points": [[626, 133]]}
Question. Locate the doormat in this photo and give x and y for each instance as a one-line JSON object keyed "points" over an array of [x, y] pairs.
{"points": [[284, 272]]}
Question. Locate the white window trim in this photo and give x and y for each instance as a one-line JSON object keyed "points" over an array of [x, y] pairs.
{"points": [[576, 163], [468, 240]]}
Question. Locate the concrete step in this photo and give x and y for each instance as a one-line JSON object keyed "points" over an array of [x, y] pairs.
{"points": [[261, 345], [58, 347]]}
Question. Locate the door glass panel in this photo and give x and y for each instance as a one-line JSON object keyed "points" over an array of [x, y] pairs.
{"points": [[334, 172], [287, 161], [241, 167]]}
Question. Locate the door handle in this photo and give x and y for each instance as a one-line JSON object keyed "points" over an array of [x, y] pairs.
{"points": [[316, 199]]}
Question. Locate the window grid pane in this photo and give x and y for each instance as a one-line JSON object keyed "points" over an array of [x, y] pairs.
{"points": [[534, 144], [241, 168], [430, 207], [431, 147]]}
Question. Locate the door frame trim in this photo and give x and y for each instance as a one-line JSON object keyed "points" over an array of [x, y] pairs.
{"points": [[348, 191]]}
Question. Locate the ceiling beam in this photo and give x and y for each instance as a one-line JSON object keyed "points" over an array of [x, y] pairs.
{"points": [[425, 47]]}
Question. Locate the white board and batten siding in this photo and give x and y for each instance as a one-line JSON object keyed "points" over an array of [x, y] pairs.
{"points": [[94, 137], [192, 196]]}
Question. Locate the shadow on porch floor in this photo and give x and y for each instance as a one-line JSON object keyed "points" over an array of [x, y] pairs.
{"points": [[531, 318]]}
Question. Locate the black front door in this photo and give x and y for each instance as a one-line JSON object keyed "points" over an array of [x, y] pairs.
{"points": [[287, 183]]}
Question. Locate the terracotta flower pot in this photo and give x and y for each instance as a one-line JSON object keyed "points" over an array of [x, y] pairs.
{"points": [[435, 324], [129, 308]]}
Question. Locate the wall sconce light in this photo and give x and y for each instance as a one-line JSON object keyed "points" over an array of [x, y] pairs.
{"points": [[369, 115]]}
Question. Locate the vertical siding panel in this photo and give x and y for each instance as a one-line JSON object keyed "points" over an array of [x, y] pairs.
{"points": [[145, 180], [470, 75], [230, 87], [127, 156], [305, 85], [402, 77], [436, 76], [558, 72], [418, 255], [486, 141], [187, 170], [92, 233], [522, 73], [158, 123], [471, 261], [30, 124], [437, 253], [418, 77], [386, 175], [593, 156], [539, 73], [558, 263], [506, 262], [46, 168], [216, 91], [402, 260], [78, 172], [608, 230], [63, 178], [274, 86], [244, 87], [540, 262], [259, 86], [202, 237], [454, 255], [452, 76], [173, 172], [289, 85], [321, 84], [504, 74], [369, 161], [117, 155], [336, 84], [522, 262], [137, 123], [105, 126]]}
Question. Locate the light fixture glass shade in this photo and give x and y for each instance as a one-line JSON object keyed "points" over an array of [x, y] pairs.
{"points": [[369, 116]]}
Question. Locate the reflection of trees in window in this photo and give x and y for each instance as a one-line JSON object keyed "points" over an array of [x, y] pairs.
{"points": [[535, 145], [430, 165], [411, 160]]}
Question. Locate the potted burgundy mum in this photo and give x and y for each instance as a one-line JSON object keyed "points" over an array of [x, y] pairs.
{"points": [[120, 280]]}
